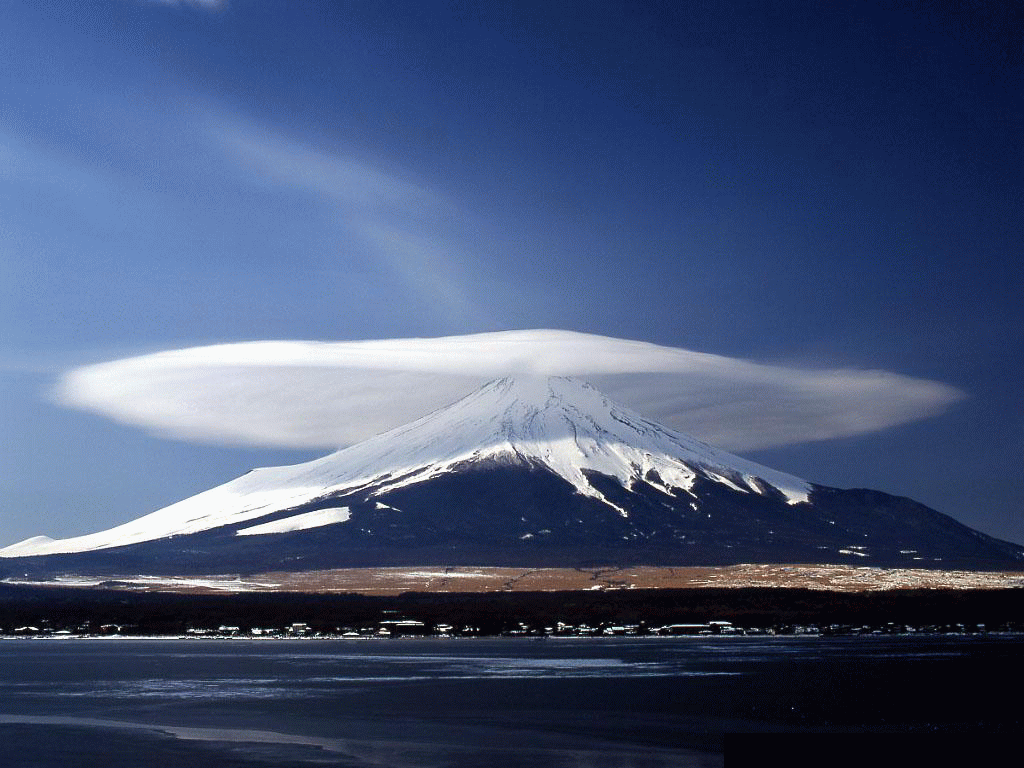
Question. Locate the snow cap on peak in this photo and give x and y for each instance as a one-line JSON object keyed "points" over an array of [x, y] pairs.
{"points": [[538, 388]]}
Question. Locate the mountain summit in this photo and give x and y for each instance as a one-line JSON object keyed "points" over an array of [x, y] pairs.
{"points": [[527, 471]]}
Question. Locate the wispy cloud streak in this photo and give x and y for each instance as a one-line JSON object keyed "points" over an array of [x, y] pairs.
{"points": [[408, 229], [317, 394], [209, 5]]}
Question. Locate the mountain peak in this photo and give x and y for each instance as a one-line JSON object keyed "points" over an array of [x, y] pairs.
{"points": [[535, 391]]}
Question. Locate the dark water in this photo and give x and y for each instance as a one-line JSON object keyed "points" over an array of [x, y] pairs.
{"points": [[611, 702]]}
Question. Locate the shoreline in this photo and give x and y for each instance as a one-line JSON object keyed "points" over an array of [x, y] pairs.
{"points": [[33, 610], [769, 636]]}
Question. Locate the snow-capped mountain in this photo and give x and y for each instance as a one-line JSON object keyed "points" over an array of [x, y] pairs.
{"points": [[527, 471]]}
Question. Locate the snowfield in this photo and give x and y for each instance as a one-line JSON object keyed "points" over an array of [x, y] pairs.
{"points": [[301, 522]]}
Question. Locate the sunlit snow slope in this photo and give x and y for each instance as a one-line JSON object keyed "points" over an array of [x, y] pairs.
{"points": [[560, 424]]}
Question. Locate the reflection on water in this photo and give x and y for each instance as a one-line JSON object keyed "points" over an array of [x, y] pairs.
{"points": [[269, 746], [629, 702]]}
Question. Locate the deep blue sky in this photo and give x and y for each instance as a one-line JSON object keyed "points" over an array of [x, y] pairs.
{"points": [[836, 186]]}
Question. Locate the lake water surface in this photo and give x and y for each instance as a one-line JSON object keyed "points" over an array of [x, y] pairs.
{"points": [[610, 702]]}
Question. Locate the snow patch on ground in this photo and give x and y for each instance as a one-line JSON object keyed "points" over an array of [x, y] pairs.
{"points": [[228, 583]]}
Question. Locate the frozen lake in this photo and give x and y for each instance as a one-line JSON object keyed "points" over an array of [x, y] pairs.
{"points": [[481, 702]]}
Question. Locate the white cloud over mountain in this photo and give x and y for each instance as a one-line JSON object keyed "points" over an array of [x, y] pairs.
{"points": [[306, 394]]}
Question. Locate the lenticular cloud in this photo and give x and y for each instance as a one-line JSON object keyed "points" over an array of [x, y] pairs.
{"points": [[304, 394]]}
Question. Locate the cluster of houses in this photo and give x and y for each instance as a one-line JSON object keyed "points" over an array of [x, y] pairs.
{"points": [[414, 628], [405, 627]]}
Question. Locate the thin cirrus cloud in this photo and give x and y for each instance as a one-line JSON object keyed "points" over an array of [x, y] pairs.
{"points": [[408, 230], [210, 5], [304, 394]]}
